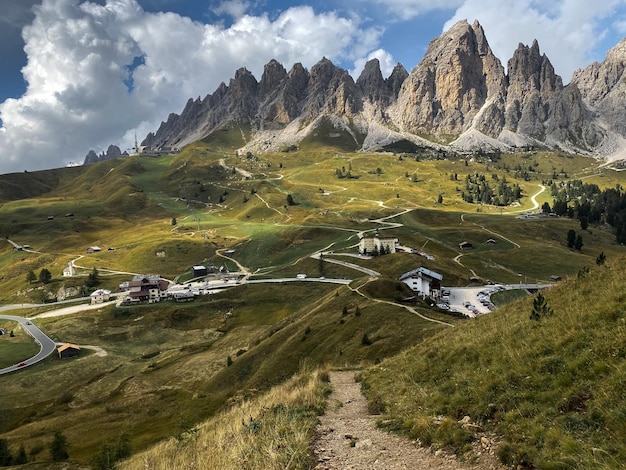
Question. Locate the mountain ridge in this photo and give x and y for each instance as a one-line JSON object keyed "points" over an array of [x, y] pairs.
{"points": [[459, 96]]}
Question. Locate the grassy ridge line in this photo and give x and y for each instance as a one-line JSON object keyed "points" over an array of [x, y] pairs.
{"points": [[552, 389], [270, 432]]}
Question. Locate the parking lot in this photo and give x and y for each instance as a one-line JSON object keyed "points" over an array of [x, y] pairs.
{"points": [[471, 301]]}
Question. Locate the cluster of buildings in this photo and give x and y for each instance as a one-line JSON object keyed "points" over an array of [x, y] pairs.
{"points": [[424, 282], [147, 288], [150, 288]]}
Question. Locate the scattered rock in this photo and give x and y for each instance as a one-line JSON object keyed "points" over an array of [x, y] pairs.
{"points": [[363, 443]]}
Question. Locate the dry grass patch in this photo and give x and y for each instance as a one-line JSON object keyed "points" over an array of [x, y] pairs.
{"points": [[272, 431]]}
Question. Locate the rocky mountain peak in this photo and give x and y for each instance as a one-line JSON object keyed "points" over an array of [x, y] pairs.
{"points": [[331, 90], [284, 98], [273, 74], [481, 39], [372, 83], [532, 82], [530, 71], [113, 151], [454, 80], [244, 82], [396, 79]]}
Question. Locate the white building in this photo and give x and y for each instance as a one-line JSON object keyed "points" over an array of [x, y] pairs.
{"points": [[376, 245], [70, 270], [100, 296], [423, 281]]}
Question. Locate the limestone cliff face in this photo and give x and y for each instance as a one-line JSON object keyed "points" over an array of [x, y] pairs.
{"points": [[379, 93], [282, 94], [458, 75], [274, 102], [531, 84], [603, 87], [331, 90], [539, 106], [459, 89]]}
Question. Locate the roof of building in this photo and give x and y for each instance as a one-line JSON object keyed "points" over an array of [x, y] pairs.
{"points": [[423, 272], [183, 294], [378, 237], [68, 346], [140, 294], [139, 277], [100, 292]]}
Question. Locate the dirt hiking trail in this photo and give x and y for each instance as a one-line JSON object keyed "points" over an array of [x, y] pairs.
{"points": [[347, 438]]}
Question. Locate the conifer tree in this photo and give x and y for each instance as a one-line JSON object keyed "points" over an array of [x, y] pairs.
{"points": [[45, 276], [6, 459], [58, 447], [540, 308]]}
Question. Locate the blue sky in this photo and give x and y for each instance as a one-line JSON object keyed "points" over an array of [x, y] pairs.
{"points": [[80, 75]]}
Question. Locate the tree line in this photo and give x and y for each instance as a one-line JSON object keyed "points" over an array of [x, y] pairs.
{"points": [[591, 205], [479, 190]]}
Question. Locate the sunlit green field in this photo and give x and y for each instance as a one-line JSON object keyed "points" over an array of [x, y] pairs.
{"points": [[14, 349]]}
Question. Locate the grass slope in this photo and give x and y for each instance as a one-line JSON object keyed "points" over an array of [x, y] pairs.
{"points": [[552, 389], [166, 366], [271, 431]]}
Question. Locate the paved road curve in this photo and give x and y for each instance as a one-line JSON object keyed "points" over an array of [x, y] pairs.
{"points": [[46, 344]]}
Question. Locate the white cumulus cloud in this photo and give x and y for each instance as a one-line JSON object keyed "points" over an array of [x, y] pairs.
{"points": [[233, 8]]}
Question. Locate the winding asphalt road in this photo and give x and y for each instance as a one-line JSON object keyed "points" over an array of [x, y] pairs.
{"points": [[47, 346]]}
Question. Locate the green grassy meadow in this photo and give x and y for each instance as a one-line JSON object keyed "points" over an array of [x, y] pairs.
{"points": [[14, 349], [154, 371]]}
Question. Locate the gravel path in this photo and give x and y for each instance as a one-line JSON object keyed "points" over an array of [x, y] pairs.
{"points": [[347, 438]]}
